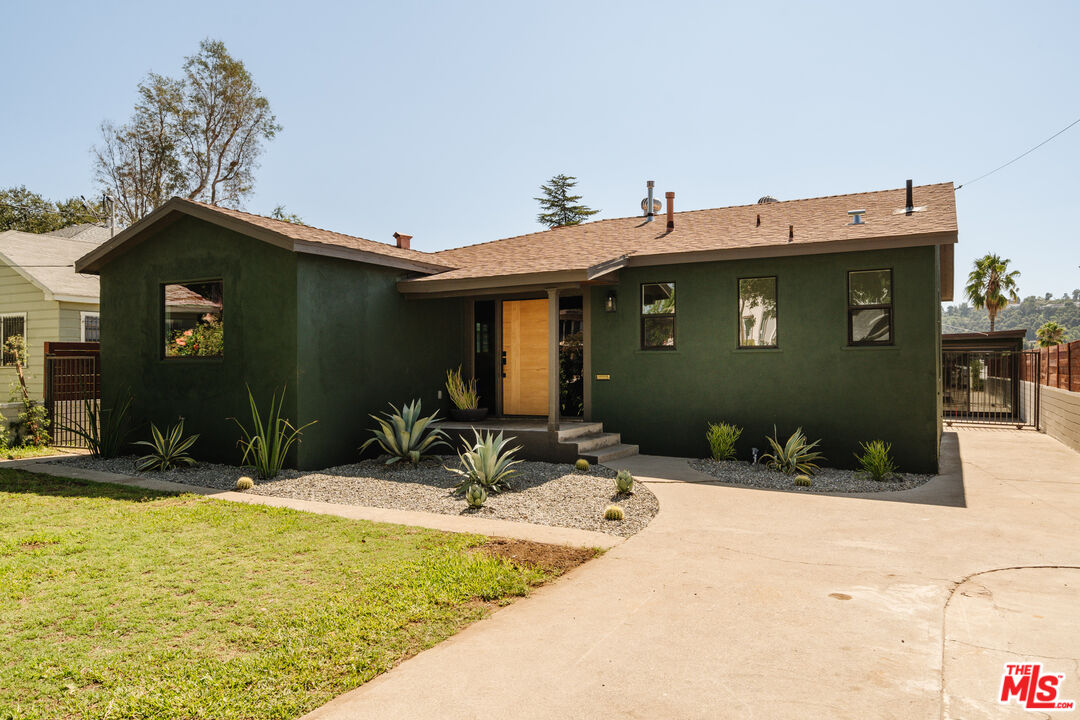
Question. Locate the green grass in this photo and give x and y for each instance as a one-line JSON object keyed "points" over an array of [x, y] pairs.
{"points": [[118, 602], [27, 451]]}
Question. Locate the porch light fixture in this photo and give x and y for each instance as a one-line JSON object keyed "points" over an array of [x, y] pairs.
{"points": [[609, 302]]}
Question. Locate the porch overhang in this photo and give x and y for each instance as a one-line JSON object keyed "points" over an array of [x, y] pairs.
{"points": [[435, 287]]}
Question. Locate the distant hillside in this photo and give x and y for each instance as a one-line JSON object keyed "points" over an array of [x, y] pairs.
{"points": [[1029, 314]]}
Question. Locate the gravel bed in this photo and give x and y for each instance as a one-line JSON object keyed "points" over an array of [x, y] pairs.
{"points": [[827, 480], [541, 493]]}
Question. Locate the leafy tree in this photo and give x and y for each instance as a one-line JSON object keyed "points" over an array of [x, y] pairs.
{"points": [[280, 213], [992, 286], [1076, 295], [27, 211], [1051, 333], [199, 136], [558, 206]]}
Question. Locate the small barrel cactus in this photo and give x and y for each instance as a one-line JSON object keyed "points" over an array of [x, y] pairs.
{"points": [[624, 482], [613, 512], [476, 496], [245, 483], [803, 481], [582, 464]]}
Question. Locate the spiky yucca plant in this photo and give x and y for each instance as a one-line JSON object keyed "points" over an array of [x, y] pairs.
{"points": [[794, 456], [876, 460], [624, 482], [405, 435], [105, 430], [168, 450], [487, 462], [476, 496], [267, 444]]}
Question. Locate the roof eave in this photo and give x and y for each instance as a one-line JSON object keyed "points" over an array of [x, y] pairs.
{"points": [[449, 287]]}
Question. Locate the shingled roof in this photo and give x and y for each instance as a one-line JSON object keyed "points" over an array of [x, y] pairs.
{"points": [[815, 225], [47, 262], [291, 236]]}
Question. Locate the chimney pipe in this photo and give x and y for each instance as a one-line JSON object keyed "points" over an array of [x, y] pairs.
{"points": [[402, 240], [649, 202], [910, 200], [670, 210], [790, 233]]}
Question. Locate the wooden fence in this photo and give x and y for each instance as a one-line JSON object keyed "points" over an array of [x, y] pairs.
{"points": [[1059, 367]]}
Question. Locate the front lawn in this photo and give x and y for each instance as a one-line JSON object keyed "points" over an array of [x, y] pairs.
{"points": [[119, 602]]}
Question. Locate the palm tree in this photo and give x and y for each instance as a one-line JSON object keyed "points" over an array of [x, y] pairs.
{"points": [[1051, 333], [992, 286]]}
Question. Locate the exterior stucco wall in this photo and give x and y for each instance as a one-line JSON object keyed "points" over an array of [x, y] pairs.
{"points": [[662, 400], [259, 333], [1059, 412], [363, 345]]}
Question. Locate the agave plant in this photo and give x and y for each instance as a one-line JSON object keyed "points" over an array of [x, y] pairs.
{"points": [[476, 496], [167, 451], [405, 435], [795, 456], [267, 443], [105, 430], [624, 482], [487, 462]]}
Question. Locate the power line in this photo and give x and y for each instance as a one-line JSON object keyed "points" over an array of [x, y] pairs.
{"points": [[1074, 122]]}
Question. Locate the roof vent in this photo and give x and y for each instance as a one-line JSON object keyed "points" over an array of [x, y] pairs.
{"points": [[856, 217], [766, 199], [402, 240], [650, 205]]}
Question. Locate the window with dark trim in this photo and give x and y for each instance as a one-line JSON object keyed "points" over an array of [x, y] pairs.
{"points": [[870, 314], [757, 312], [658, 316], [91, 327], [193, 319], [10, 325]]}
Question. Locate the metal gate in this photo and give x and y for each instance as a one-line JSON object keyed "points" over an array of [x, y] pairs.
{"points": [[72, 377], [989, 387]]}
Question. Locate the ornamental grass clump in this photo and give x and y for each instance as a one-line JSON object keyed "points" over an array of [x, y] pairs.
{"points": [[624, 482], [167, 451], [797, 455], [487, 462], [722, 437], [268, 442], [462, 393], [405, 435], [105, 430], [876, 461]]}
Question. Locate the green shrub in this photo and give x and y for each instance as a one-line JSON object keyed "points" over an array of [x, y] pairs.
{"points": [[405, 435], [613, 512], [722, 439], [167, 451], [624, 482], [487, 462], [582, 464], [476, 496], [875, 461], [244, 483], [795, 456], [105, 430], [267, 444], [803, 481], [462, 393]]}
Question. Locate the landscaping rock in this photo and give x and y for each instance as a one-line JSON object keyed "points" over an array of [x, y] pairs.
{"points": [[826, 480]]}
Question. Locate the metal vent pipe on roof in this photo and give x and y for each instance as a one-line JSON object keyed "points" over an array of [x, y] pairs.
{"points": [[910, 207], [649, 201], [670, 196]]}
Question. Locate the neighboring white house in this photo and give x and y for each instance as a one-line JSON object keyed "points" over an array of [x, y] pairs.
{"points": [[43, 299]]}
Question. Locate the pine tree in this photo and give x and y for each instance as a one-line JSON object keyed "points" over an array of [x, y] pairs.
{"points": [[558, 206]]}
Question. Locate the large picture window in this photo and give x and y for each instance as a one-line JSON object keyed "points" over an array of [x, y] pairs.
{"points": [[870, 318], [193, 321], [757, 312], [658, 316], [11, 325]]}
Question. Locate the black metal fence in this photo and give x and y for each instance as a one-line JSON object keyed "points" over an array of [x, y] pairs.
{"points": [[72, 378], [985, 387]]}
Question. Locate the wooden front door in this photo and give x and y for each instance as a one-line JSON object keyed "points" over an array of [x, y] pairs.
{"points": [[525, 357]]}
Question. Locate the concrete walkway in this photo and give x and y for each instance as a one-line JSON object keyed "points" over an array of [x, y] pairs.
{"points": [[750, 603], [435, 521]]}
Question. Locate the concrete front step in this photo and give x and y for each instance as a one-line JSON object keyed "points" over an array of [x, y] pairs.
{"points": [[612, 452], [595, 441], [570, 431]]}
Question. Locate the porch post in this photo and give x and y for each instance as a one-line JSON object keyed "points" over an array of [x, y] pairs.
{"points": [[553, 359], [586, 352]]}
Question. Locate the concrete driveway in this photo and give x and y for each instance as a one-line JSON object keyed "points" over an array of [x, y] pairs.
{"points": [[761, 604]]}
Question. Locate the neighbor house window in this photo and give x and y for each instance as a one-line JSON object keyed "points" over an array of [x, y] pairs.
{"points": [[192, 319], [91, 327], [11, 325], [870, 307], [658, 316], [757, 312]]}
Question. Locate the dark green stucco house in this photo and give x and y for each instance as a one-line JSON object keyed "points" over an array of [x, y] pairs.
{"points": [[822, 313]]}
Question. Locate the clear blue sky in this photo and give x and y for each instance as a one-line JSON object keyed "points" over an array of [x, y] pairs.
{"points": [[441, 119]]}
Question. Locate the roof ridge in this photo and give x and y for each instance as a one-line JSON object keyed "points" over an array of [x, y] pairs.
{"points": [[686, 212], [285, 222]]}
